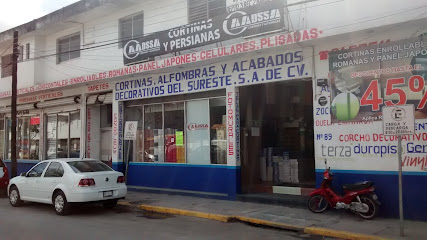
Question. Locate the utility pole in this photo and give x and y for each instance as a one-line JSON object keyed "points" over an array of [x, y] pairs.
{"points": [[14, 93]]}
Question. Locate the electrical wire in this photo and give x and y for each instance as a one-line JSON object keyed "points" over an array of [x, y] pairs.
{"points": [[115, 25], [368, 20], [94, 70], [113, 43], [2, 54], [315, 55], [118, 40], [237, 55], [408, 10]]}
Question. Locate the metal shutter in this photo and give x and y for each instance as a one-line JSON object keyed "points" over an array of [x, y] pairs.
{"points": [[58, 102], [59, 109], [18, 108], [105, 98]]}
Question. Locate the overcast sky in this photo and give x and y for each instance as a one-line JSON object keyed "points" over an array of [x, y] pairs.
{"points": [[17, 12]]}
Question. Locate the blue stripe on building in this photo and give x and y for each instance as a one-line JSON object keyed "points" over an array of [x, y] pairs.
{"points": [[387, 189]]}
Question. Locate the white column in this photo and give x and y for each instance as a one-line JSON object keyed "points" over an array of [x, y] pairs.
{"points": [[42, 134], [118, 123], [233, 126], [93, 132], [83, 125]]}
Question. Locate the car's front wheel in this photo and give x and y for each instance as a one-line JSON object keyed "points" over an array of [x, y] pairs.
{"points": [[110, 204], [14, 197], [62, 207]]}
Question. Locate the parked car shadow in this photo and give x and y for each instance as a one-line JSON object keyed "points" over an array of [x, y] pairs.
{"points": [[76, 209]]}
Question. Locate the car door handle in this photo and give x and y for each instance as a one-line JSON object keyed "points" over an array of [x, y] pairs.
{"points": [[55, 181], [37, 181]]}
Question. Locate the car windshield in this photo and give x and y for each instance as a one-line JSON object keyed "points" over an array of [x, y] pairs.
{"points": [[89, 166]]}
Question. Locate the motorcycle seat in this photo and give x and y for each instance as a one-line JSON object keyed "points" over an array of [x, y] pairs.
{"points": [[357, 186]]}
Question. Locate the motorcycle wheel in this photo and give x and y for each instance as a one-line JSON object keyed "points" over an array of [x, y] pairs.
{"points": [[373, 207], [317, 203]]}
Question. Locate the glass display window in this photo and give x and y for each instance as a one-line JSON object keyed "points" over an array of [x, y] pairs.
{"points": [[218, 137], [188, 129], [198, 125], [1, 136], [153, 133], [174, 132], [63, 132], [27, 137]]}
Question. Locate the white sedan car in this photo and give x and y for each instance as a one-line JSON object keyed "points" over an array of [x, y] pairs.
{"points": [[62, 182]]}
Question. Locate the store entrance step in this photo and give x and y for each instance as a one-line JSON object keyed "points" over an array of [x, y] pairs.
{"points": [[276, 199]]}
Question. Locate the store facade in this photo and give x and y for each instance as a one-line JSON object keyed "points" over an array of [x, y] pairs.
{"points": [[189, 119], [260, 158], [256, 114], [53, 125]]}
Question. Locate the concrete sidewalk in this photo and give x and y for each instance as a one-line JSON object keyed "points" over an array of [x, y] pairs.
{"points": [[333, 223]]}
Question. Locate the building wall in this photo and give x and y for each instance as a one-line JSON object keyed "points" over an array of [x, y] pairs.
{"points": [[358, 23], [165, 14], [343, 155], [25, 68], [158, 16]]}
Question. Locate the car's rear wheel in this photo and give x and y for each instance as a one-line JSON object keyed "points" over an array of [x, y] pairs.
{"points": [[110, 204], [62, 207], [14, 197]]}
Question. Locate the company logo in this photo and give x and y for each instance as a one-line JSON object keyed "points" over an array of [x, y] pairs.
{"points": [[323, 101], [134, 48], [197, 126], [238, 22]]}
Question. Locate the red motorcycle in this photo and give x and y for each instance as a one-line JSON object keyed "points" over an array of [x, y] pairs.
{"points": [[360, 197]]}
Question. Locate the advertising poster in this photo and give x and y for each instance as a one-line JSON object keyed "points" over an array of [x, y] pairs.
{"points": [[241, 19], [364, 80], [349, 123]]}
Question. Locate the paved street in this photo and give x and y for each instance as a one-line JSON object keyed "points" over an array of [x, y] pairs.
{"points": [[37, 221]]}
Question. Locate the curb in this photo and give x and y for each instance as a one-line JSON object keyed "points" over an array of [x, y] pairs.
{"points": [[229, 218], [257, 221], [340, 234], [176, 211]]}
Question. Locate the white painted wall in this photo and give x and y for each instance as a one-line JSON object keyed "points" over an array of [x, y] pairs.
{"points": [[336, 17], [25, 68], [158, 16], [333, 17]]}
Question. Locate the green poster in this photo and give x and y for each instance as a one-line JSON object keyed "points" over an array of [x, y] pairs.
{"points": [[179, 136]]}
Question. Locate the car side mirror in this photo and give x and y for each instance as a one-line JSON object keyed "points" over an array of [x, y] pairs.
{"points": [[23, 174]]}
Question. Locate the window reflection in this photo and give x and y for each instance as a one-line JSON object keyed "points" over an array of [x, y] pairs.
{"points": [[27, 138], [153, 133], [174, 132], [75, 131], [217, 114], [63, 132], [51, 136], [1, 137], [192, 131], [34, 137], [135, 114]]}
